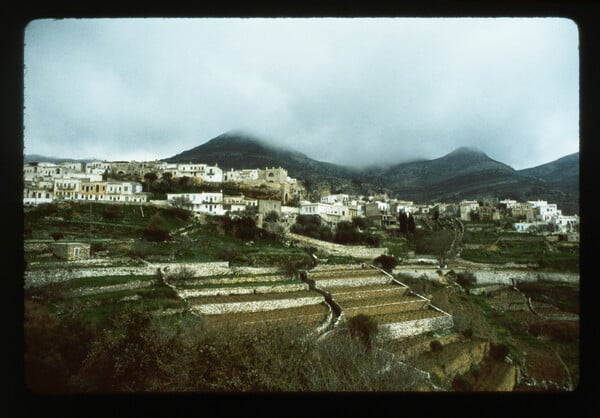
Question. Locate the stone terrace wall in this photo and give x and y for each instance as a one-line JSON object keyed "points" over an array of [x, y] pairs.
{"points": [[256, 306], [41, 277], [63, 271], [247, 290], [420, 326], [358, 251], [505, 277]]}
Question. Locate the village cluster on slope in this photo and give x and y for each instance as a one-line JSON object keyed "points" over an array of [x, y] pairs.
{"points": [[46, 182]]}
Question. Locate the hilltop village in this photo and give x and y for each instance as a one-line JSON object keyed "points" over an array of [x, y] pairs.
{"points": [[265, 190]]}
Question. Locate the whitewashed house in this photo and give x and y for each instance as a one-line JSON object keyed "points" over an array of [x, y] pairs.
{"points": [[565, 223], [333, 198], [545, 211], [38, 192], [97, 167], [467, 208], [240, 176], [209, 203]]}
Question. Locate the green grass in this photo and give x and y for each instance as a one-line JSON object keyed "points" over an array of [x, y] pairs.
{"points": [[106, 281], [246, 284], [527, 249]]}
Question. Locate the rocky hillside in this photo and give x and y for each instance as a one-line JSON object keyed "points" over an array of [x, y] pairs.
{"points": [[239, 150], [465, 173]]}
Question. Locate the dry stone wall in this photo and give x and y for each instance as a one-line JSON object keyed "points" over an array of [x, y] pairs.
{"points": [[500, 277], [41, 277], [40, 274], [420, 326], [224, 291], [357, 251], [255, 306]]}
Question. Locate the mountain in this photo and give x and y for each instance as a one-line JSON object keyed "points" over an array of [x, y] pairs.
{"points": [[31, 158], [562, 173], [465, 173], [240, 150]]}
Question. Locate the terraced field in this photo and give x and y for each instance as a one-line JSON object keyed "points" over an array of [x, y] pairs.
{"points": [[253, 299], [361, 289]]}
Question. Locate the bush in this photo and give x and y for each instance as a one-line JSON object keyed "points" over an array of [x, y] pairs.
{"points": [[156, 230], [435, 346], [466, 278], [386, 262], [110, 212], [57, 235], [364, 328], [498, 352], [460, 384], [182, 273], [272, 216]]}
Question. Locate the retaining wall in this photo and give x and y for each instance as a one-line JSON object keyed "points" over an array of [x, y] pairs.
{"points": [[357, 251], [224, 291], [59, 272], [416, 327], [504, 277], [255, 306], [363, 281], [41, 277]]}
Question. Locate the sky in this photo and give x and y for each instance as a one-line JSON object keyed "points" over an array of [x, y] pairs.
{"points": [[351, 91]]}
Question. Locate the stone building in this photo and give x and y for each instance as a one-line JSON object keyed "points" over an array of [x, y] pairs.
{"points": [[71, 250]]}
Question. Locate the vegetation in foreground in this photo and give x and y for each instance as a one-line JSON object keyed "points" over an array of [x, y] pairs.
{"points": [[134, 351]]}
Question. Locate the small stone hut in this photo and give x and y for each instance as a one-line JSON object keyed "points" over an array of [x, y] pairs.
{"points": [[71, 250]]}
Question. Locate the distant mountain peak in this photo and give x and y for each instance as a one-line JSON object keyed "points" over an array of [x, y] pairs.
{"points": [[467, 151]]}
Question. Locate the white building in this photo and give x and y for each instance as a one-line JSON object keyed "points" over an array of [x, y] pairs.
{"points": [[330, 213], [125, 192], [205, 172], [209, 203], [565, 223], [240, 176], [546, 211], [35, 193], [467, 207], [333, 198], [66, 188], [97, 167], [510, 203]]}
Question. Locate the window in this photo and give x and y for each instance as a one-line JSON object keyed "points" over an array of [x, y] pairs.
{"points": [[76, 251]]}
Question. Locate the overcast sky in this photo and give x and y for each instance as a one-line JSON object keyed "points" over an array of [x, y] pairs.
{"points": [[350, 91]]}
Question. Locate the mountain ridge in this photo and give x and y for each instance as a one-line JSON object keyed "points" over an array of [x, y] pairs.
{"points": [[464, 173]]}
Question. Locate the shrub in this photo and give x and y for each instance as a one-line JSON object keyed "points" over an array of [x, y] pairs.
{"points": [[272, 216], [182, 273], [435, 346], [386, 262], [460, 384], [57, 235], [156, 230], [466, 278], [110, 212], [498, 352], [364, 328]]}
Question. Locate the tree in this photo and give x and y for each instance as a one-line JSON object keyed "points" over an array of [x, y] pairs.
{"points": [[438, 243], [411, 224], [359, 223], [167, 176], [347, 233], [156, 230], [150, 177], [386, 262], [403, 219], [272, 216]]}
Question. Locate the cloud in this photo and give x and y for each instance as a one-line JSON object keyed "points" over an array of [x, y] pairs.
{"points": [[350, 91]]}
